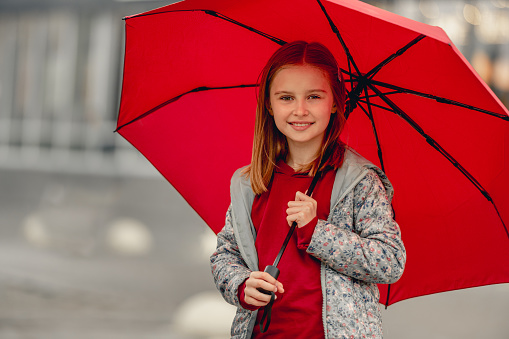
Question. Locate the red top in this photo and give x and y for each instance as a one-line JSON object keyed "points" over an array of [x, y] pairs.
{"points": [[298, 312]]}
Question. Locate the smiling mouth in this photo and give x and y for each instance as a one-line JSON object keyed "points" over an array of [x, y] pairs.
{"points": [[301, 124]]}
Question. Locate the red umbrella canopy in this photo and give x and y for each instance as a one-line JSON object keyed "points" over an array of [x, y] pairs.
{"points": [[416, 108]]}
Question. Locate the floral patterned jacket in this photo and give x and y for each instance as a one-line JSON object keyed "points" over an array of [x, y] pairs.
{"points": [[359, 246]]}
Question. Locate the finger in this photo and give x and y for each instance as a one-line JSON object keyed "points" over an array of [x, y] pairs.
{"points": [[256, 294], [290, 222], [302, 205], [268, 278], [257, 283], [280, 287], [264, 276], [255, 302], [299, 196], [307, 207], [294, 210], [298, 203], [293, 218], [258, 298], [263, 285]]}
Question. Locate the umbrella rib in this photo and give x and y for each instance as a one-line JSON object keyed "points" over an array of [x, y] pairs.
{"points": [[439, 99], [376, 105], [167, 102], [338, 35], [350, 74], [386, 93], [350, 70], [220, 16], [440, 149], [224, 17], [359, 98], [369, 113], [398, 89], [398, 53]]}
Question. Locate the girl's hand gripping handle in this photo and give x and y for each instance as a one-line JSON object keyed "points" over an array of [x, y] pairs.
{"points": [[274, 272], [259, 285]]}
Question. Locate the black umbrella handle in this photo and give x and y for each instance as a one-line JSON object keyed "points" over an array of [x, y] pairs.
{"points": [[274, 271], [294, 224]]}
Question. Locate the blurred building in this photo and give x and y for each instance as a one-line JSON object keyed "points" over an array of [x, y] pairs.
{"points": [[60, 75], [61, 67]]}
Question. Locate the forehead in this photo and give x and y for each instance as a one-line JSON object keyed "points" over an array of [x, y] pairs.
{"points": [[301, 76]]}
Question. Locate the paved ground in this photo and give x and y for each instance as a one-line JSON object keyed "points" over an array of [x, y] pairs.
{"points": [[104, 257]]}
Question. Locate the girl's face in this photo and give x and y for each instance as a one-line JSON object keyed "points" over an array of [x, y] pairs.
{"points": [[302, 102]]}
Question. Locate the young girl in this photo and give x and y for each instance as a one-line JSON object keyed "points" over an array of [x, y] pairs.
{"points": [[346, 240]]}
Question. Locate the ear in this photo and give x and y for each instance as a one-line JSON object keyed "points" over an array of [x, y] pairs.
{"points": [[334, 108], [269, 109]]}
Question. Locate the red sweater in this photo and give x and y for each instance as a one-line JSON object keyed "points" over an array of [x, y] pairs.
{"points": [[298, 312]]}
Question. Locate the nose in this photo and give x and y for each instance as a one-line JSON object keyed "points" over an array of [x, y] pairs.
{"points": [[300, 108]]}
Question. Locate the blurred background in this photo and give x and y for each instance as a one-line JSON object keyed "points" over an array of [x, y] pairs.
{"points": [[94, 243]]}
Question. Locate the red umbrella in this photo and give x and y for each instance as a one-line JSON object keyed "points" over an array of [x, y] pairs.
{"points": [[416, 108]]}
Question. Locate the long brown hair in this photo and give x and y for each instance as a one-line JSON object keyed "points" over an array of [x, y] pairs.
{"points": [[269, 143]]}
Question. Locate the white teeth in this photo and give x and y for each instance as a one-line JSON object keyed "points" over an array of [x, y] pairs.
{"points": [[301, 125]]}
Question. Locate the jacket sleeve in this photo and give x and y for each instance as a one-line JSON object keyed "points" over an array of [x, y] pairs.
{"points": [[228, 268], [366, 245]]}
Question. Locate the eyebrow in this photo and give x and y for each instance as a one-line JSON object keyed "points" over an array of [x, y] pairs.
{"points": [[311, 91]]}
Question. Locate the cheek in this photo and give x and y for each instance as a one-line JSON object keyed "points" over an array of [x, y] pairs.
{"points": [[279, 120], [279, 112], [326, 111], [327, 119]]}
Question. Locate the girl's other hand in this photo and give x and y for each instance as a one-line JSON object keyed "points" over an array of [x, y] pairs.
{"points": [[302, 210], [264, 281]]}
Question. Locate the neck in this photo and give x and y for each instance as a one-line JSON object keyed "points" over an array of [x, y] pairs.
{"points": [[301, 155]]}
